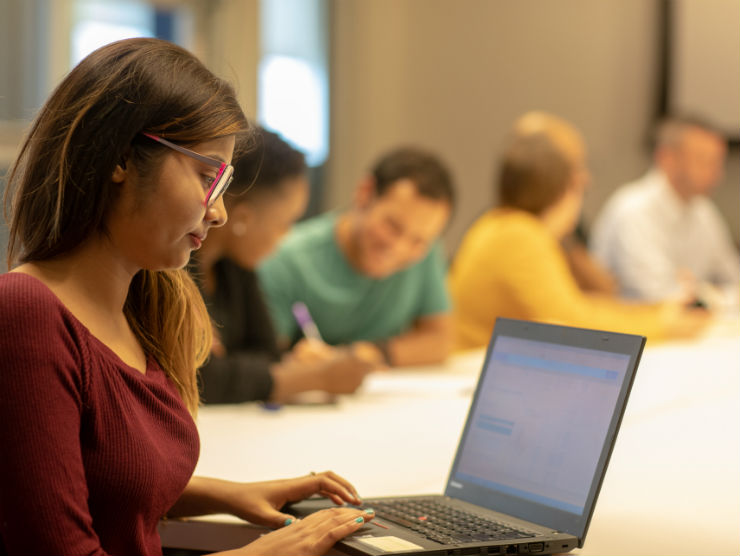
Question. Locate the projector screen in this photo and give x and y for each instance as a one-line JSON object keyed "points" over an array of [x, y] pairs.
{"points": [[704, 61]]}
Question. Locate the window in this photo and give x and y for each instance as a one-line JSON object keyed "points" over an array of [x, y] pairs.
{"points": [[99, 22], [293, 91]]}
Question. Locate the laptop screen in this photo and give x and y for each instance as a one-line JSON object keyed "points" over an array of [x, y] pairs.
{"points": [[543, 421]]}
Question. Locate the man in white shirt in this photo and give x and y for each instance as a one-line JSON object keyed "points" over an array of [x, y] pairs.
{"points": [[661, 236]]}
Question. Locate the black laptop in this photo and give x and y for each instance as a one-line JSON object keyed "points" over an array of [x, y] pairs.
{"points": [[533, 453]]}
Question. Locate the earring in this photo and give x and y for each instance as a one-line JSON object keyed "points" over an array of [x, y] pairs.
{"points": [[238, 229]]}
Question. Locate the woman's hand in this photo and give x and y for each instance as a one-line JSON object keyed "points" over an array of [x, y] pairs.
{"points": [[328, 369], [309, 351], [260, 503], [344, 374], [680, 321], [313, 535]]}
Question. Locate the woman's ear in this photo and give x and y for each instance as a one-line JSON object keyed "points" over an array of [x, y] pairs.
{"points": [[119, 172], [240, 211], [240, 216]]}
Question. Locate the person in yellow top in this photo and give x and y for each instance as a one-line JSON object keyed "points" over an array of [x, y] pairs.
{"points": [[511, 262]]}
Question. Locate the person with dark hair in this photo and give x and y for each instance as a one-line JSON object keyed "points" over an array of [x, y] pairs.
{"points": [[101, 330], [372, 276], [511, 262], [661, 236], [269, 193]]}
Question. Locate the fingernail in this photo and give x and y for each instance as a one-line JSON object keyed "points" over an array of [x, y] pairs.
{"points": [[360, 520], [369, 511], [289, 521]]}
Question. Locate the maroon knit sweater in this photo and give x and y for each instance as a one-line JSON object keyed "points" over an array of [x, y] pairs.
{"points": [[92, 452]]}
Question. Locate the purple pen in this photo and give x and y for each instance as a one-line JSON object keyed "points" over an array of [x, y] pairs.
{"points": [[303, 317]]}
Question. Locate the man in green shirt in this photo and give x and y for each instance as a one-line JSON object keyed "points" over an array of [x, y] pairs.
{"points": [[373, 277]]}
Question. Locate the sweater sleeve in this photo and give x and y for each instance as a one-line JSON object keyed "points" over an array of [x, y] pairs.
{"points": [[43, 491], [540, 281], [247, 334], [509, 265]]}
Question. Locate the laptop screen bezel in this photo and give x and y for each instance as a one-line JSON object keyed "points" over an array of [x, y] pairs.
{"points": [[557, 519]]}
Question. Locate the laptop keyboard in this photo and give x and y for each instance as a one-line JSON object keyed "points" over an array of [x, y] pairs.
{"points": [[440, 522]]}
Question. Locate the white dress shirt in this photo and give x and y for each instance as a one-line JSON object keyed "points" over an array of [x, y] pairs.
{"points": [[648, 237]]}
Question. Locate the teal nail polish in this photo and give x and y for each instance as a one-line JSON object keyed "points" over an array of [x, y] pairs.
{"points": [[360, 520], [369, 511], [289, 521]]}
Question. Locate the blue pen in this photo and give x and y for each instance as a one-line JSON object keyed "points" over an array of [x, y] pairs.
{"points": [[303, 317]]}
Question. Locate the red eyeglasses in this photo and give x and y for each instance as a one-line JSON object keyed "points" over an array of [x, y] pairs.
{"points": [[222, 180]]}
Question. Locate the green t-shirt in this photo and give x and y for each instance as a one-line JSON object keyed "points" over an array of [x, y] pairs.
{"points": [[347, 306]]}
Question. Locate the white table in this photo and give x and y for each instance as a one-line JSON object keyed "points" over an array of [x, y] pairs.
{"points": [[672, 486]]}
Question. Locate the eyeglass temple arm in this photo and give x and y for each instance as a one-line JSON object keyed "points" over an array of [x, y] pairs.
{"points": [[183, 150]]}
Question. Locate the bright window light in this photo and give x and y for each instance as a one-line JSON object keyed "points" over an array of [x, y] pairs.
{"points": [[90, 35], [99, 22], [292, 100]]}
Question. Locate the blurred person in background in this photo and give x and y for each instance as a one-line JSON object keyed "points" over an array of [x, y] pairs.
{"points": [[372, 276], [661, 236], [511, 262], [268, 195]]}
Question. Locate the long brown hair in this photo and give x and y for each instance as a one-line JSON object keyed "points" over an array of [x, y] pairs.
{"points": [[60, 190]]}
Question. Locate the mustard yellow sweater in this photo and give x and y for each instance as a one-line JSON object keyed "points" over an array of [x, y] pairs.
{"points": [[510, 265]]}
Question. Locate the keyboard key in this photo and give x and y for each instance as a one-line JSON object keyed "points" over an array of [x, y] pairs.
{"points": [[442, 523]]}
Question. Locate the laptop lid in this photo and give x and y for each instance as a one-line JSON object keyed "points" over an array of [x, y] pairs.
{"points": [[543, 421]]}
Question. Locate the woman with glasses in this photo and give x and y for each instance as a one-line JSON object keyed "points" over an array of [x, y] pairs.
{"points": [[101, 331], [270, 192]]}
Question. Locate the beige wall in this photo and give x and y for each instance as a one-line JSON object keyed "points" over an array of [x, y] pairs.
{"points": [[452, 76], [227, 40]]}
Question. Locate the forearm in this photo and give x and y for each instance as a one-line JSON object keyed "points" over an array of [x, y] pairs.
{"points": [[589, 274], [425, 344], [289, 380], [203, 496]]}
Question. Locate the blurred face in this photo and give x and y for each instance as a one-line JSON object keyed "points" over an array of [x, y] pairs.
{"points": [[160, 220], [696, 164], [259, 223], [581, 175], [570, 205], [396, 229]]}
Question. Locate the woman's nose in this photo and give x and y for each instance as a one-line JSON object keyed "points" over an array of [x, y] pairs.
{"points": [[216, 213]]}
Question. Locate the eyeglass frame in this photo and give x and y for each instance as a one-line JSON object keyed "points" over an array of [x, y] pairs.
{"points": [[225, 171]]}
